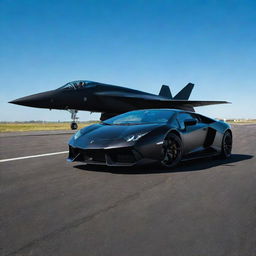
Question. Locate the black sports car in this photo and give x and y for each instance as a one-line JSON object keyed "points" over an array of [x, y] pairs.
{"points": [[166, 136]]}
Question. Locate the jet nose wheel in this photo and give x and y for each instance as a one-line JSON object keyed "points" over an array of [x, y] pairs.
{"points": [[73, 112], [73, 126]]}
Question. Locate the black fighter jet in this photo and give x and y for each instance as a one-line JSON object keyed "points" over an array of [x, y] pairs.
{"points": [[109, 100]]}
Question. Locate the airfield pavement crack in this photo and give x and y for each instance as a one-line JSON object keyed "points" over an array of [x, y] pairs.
{"points": [[85, 219]]}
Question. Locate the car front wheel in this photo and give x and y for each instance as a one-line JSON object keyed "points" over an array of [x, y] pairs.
{"points": [[172, 150]]}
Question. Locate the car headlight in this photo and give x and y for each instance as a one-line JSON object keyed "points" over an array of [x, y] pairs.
{"points": [[78, 134], [134, 137]]}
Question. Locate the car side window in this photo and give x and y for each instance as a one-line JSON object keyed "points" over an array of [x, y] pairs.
{"points": [[181, 117], [197, 117]]}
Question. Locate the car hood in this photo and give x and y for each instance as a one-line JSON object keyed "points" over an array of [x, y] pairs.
{"points": [[103, 135]]}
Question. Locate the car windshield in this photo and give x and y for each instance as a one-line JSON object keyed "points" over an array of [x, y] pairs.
{"points": [[141, 117], [78, 84]]}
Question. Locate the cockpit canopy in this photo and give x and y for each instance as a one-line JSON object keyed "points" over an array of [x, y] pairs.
{"points": [[79, 84]]}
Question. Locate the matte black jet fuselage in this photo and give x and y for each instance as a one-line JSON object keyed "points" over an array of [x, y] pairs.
{"points": [[93, 96], [110, 99]]}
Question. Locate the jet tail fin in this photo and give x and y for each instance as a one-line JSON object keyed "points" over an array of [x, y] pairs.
{"points": [[185, 92], [165, 92]]}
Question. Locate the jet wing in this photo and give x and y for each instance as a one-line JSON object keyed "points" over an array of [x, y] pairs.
{"points": [[155, 101], [199, 103]]}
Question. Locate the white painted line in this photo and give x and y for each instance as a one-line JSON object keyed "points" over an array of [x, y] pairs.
{"points": [[34, 156]]}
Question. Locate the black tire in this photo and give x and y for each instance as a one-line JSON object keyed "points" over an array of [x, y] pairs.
{"points": [[73, 126], [226, 146], [172, 150]]}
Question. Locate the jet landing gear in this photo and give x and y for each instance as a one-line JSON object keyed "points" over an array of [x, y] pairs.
{"points": [[73, 124]]}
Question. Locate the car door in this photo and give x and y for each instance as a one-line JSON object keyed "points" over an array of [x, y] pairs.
{"points": [[193, 136]]}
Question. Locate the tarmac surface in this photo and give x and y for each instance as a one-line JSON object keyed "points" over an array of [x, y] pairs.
{"points": [[51, 207]]}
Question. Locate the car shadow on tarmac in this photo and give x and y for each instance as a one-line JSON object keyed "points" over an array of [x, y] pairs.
{"points": [[187, 166]]}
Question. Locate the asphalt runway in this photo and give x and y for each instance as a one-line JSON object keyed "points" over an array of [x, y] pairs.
{"points": [[51, 207]]}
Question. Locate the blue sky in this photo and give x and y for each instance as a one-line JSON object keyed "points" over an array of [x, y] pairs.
{"points": [[139, 44]]}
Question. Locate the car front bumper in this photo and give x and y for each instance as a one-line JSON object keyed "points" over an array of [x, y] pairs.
{"points": [[124, 156]]}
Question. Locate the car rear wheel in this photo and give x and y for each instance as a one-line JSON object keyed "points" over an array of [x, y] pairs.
{"points": [[226, 147], [172, 150]]}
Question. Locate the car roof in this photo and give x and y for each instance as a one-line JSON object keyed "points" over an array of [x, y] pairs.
{"points": [[175, 110]]}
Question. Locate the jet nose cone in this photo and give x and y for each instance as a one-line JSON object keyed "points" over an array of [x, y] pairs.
{"points": [[13, 101], [40, 100], [20, 101]]}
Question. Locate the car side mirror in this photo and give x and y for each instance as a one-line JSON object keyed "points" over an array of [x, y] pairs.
{"points": [[189, 122]]}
